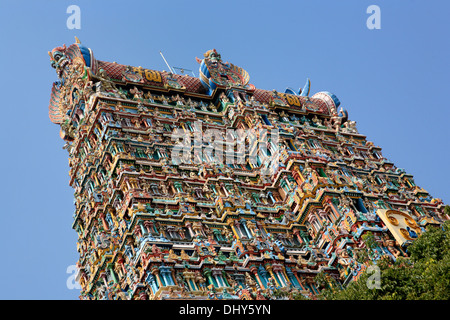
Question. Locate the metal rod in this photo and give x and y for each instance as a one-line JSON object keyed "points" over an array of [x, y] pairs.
{"points": [[167, 63]]}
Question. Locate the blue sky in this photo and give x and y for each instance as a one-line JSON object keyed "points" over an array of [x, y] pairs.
{"points": [[394, 83]]}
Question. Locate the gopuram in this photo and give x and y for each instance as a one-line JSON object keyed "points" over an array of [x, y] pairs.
{"points": [[210, 188]]}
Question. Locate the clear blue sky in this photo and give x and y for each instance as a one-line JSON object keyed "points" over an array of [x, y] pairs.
{"points": [[394, 82]]}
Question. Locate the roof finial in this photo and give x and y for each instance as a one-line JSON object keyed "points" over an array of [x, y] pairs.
{"points": [[77, 40]]}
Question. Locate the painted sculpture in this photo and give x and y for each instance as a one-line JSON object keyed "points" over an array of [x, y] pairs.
{"points": [[153, 228]]}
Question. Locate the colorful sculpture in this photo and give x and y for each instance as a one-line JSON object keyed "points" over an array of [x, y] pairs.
{"points": [[151, 227]]}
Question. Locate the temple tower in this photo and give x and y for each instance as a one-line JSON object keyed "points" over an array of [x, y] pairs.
{"points": [[208, 187]]}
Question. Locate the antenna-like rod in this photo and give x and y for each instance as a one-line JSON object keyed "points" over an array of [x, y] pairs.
{"points": [[167, 63]]}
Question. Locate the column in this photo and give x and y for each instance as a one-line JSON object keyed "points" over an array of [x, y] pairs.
{"points": [[269, 269], [105, 224], [249, 234], [155, 272], [235, 232], [113, 274], [255, 272], [207, 273], [152, 282], [143, 230]]}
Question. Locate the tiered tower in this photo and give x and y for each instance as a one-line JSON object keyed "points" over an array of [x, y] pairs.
{"points": [[156, 225]]}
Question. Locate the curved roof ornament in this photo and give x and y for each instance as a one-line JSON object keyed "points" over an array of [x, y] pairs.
{"points": [[301, 92], [214, 73], [332, 102], [291, 91], [305, 91], [86, 52], [61, 58]]}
